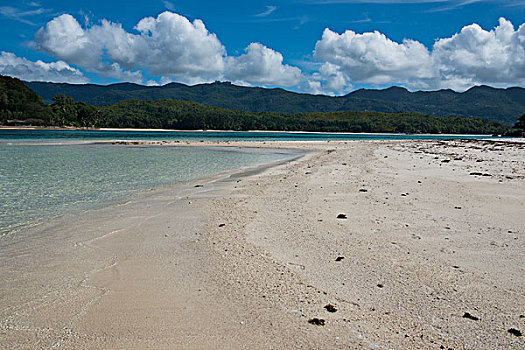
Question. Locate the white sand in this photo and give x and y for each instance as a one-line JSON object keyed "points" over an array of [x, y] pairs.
{"points": [[423, 245]]}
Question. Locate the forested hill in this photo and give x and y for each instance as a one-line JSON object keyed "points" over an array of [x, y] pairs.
{"points": [[17, 102], [502, 105]]}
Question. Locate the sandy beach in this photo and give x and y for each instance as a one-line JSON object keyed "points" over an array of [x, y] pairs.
{"points": [[375, 244]]}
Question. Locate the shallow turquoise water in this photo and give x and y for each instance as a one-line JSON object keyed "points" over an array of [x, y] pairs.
{"points": [[38, 182], [93, 135]]}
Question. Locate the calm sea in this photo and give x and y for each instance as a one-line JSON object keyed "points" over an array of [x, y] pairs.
{"points": [[43, 174]]}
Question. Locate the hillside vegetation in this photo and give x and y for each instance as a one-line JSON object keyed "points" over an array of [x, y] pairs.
{"points": [[502, 105], [186, 115], [18, 103]]}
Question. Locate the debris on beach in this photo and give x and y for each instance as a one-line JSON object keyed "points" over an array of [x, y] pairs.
{"points": [[339, 258], [342, 216], [222, 225], [380, 285], [317, 321], [515, 332], [363, 190], [470, 317], [198, 186], [330, 308]]}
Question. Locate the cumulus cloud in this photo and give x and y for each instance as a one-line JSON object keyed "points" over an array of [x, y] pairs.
{"points": [[172, 45], [370, 58], [169, 46], [57, 72], [65, 39], [477, 56], [262, 66], [471, 57]]}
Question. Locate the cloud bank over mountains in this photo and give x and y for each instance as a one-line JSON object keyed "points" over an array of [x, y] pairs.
{"points": [[172, 48]]}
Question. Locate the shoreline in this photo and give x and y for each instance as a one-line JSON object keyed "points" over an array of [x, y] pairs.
{"points": [[247, 259]]}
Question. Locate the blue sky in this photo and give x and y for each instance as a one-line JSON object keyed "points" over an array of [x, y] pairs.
{"points": [[451, 44]]}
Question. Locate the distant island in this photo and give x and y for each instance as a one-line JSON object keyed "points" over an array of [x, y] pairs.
{"points": [[20, 105]]}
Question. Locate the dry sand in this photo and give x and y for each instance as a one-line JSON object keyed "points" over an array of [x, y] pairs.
{"points": [[429, 257]]}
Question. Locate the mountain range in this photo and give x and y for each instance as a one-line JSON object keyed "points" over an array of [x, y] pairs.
{"points": [[501, 105]]}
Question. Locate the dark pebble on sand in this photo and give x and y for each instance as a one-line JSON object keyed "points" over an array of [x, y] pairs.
{"points": [[341, 216], [339, 258], [380, 285], [363, 190], [317, 321], [197, 186], [470, 317], [222, 225], [330, 308], [475, 173], [515, 332]]}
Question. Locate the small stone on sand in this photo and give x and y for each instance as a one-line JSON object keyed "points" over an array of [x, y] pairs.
{"points": [[330, 308], [317, 321], [470, 317], [515, 332]]}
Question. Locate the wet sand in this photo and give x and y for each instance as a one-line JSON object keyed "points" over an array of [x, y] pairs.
{"points": [[431, 255]]}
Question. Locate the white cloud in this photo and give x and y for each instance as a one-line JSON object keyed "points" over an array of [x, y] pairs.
{"points": [[477, 56], [21, 15], [65, 39], [169, 5], [269, 11], [370, 58], [57, 72], [172, 45], [472, 57], [261, 66], [169, 46]]}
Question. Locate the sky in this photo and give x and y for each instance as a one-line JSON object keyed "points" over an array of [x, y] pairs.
{"points": [[313, 46]]}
